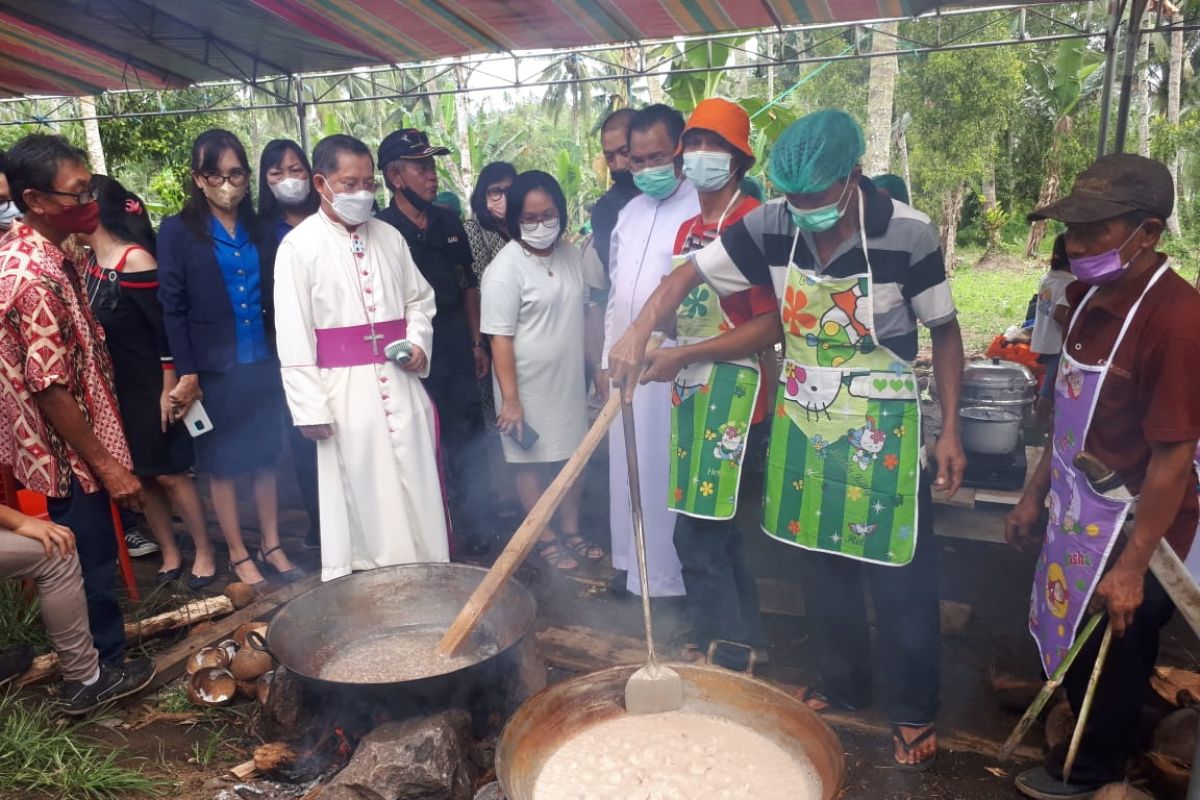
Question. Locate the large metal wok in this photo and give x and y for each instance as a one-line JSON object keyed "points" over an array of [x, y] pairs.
{"points": [[558, 713], [394, 602]]}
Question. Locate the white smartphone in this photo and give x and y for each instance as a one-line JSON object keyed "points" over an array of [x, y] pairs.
{"points": [[196, 420]]}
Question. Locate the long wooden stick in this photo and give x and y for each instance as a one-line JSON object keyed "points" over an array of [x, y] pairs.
{"points": [[1048, 689], [1085, 709], [526, 536]]}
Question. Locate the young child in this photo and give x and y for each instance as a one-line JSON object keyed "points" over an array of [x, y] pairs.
{"points": [[1049, 319]]}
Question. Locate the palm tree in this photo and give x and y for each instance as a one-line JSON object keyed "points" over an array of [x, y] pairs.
{"points": [[1057, 91]]}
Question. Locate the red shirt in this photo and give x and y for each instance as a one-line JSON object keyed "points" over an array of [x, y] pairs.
{"points": [[48, 336], [1152, 391], [739, 308]]}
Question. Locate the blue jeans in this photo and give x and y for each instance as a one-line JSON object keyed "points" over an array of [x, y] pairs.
{"points": [[908, 652], [89, 516]]}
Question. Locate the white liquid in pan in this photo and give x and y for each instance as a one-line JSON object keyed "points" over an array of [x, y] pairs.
{"points": [[674, 756]]}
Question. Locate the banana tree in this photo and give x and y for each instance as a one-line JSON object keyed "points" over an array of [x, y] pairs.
{"points": [[1057, 91]]}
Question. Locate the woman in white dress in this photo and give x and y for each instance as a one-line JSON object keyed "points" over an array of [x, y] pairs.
{"points": [[533, 296]]}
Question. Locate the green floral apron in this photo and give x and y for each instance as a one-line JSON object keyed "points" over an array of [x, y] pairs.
{"points": [[712, 405], [844, 457]]}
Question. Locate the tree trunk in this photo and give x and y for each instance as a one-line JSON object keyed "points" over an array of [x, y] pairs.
{"points": [[91, 132], [904, 171], [1048, 194], [993, 221], [881, 89], [952, 203], [1174, 78], [462, 118], [1142, 91]]}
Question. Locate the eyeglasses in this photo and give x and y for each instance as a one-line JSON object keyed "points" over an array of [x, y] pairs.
{"points": [[236, 178], [549, 218], [496, 192], [82, 198], [351, 186]]}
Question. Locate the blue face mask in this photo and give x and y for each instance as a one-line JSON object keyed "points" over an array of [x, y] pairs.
{"points": [[707, 171], [819, 220], [657, 182]]}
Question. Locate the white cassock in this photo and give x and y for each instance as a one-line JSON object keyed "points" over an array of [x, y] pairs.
{"points": [[338, 302], [640, 257]]}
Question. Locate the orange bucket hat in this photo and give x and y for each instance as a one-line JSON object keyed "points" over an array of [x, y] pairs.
{"points": [[728, 120]]}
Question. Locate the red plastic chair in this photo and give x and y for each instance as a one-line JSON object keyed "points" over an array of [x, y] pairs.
{"points": [[34, 504]]}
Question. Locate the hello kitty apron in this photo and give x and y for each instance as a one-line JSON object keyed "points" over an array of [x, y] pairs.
{"points": [[711, 408], [844, 459], [1084, 525]]}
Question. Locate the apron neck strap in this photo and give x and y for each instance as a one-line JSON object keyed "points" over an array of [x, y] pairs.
{"points": [[1128, 317]]}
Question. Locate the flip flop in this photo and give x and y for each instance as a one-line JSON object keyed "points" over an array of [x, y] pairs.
{"points": [[908, 747], [813, 693]]}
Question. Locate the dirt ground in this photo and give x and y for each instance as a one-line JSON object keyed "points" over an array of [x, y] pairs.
{"points": [[191, 751]]}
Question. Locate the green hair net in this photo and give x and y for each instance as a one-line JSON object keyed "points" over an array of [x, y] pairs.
{"points": [[752, 188], [892, 184], [815, 151], [449, 200]]}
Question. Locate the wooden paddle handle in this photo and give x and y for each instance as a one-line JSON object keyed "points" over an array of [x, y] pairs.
{"points": [[526, 536]]}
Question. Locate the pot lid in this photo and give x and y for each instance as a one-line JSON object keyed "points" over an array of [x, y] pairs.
{"points": [[996, 372]]}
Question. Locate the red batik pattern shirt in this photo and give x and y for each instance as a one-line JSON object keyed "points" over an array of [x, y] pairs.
{"points": [[48, 336]]}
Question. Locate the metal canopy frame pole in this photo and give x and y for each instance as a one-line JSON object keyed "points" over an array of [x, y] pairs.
{"points": [[1116, 10], [1132, 40], [301, 113]]}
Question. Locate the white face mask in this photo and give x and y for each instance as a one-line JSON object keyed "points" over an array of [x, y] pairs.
{"points": [[290, 191], [9, 213], [353, 208], [540, 235]]}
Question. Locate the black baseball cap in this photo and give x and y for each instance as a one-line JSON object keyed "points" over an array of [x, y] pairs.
{"points": [[407, 143], [1114, 185]]}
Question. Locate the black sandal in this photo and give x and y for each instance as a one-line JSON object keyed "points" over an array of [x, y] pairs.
{"points": [[830, 703], [233, 565], [555, 557], [287, 576], [908, 747], [582, 548]]}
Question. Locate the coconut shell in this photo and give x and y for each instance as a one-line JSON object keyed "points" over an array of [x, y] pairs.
{"points": [[212, 687], [230, 647], [1060, 724], [1169, 777], [1120, 791], [1175, 736], [263, 687], [247, 689], [244, 630], [1170, 683], [249, 663], [207, 658], [240, 594]]}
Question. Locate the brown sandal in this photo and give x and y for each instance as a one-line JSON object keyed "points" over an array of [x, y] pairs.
{"points": [[582, 548], [555, 557]]}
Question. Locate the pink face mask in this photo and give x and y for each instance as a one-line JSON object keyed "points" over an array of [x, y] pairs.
{"points": [[1104, 268]]}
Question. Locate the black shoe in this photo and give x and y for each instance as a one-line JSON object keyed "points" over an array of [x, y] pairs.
{"points": [[168, 576], [286, 576], [617, 583], [114, 683], [197, 582], [14, 661], [1041, 785], [312, 540]]}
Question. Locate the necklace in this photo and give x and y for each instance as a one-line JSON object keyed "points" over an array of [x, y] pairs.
{"points": [[545, 262], [358, 263]]}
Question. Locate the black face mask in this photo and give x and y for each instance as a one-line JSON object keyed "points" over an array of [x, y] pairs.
{"points": [[624, 179], [418, 202]]}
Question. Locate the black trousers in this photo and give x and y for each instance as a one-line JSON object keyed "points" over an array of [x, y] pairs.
{"points": [[304, 462], [89, 516], [907, 656], [1111, 733], [453, 390], [722, 597]]}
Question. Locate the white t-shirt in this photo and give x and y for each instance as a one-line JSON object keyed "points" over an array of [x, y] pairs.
{"points": [[1047, 336]]}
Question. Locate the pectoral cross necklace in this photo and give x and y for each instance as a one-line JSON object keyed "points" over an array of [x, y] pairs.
{"points": [[358, 253]]}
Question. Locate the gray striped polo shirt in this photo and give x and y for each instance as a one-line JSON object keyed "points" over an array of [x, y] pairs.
{"points": [[908, 275]]}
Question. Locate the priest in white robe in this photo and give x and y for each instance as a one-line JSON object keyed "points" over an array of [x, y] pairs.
{"points": [[639, 258], [346, 287]]}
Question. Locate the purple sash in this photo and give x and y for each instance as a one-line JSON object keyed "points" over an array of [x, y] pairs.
{"points": [[357, 345]]}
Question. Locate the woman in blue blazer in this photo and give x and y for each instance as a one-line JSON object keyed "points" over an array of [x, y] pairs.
{"points": [[216, 295]]}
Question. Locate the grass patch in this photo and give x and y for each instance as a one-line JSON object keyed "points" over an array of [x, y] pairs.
{"points": [[991, 299], [39, 753], [20, 618]]}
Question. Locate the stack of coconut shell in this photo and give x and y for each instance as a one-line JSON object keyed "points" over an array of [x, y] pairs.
{"points": [[1169, 762], [219, 674]]}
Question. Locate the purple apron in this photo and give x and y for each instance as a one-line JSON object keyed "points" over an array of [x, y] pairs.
{"points": [[1083, 524]]}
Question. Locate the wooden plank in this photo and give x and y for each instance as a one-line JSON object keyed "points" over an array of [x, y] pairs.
{"points": [[172, 661], [580, 649], [979, 524], [963, 498]]}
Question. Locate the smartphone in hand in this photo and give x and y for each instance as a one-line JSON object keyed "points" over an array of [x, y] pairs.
{"points": [[528, 438]]}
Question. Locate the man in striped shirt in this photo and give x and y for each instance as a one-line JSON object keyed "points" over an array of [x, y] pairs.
{"points": [[854, 272]]}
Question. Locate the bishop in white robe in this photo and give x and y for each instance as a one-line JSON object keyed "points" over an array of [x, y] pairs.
{"points": [[342, 293]]}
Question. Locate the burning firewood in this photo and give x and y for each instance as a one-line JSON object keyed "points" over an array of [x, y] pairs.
{"points": [[273, 757]]}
